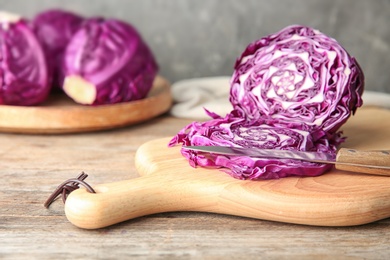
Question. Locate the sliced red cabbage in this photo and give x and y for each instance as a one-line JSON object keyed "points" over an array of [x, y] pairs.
{"points": [[291, 91], [235, 131]]}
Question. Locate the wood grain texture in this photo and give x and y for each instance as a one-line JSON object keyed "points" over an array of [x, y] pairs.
{"points": [[60, 114], [337, 198], [31, 166]]}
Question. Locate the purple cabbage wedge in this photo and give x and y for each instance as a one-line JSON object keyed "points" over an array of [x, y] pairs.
{"points": [[291, 91], [23, 69], [54, 29], [107, 62]]}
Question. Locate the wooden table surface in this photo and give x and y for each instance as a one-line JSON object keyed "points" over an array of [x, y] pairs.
{"points": [[32, 166]]}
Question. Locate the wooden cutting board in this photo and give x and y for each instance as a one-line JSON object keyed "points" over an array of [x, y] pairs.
{"points": [[168, 183], [60, 114]]}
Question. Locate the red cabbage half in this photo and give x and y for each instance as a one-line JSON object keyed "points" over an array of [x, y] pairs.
{"points": [[54, 29], [106, 62], [291, 91], [23, 69], [300, 76]]}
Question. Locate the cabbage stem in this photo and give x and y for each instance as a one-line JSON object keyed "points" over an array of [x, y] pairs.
{"points": [[80, 90]]}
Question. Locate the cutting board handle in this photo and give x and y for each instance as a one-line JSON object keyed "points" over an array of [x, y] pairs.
{"points": [[119, 201], [347, 160], [116, 202]]}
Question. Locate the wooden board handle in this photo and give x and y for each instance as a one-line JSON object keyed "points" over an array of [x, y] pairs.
{"points": [[116, 202], [348, 160]]}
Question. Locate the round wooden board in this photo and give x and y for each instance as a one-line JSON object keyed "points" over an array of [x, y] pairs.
{"points": [[60, 114]]}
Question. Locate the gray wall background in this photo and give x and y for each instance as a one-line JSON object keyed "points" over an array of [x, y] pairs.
{"points": [[203, 38]]}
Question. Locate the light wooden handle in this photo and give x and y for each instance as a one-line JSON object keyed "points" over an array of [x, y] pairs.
{"points": [[355, 160], [116, 202]]}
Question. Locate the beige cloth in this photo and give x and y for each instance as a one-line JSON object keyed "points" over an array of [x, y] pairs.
{"points": [[191, 96]]}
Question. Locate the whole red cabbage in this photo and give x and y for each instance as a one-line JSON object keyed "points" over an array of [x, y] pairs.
{"points": [[23, 69], [54, 29], [107, 61], [291, 91]]}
